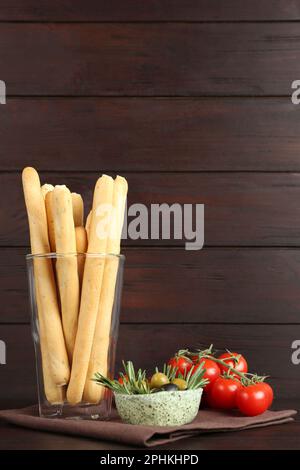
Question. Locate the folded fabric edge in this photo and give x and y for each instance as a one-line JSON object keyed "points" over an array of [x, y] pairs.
{"points": [[159, 439]]}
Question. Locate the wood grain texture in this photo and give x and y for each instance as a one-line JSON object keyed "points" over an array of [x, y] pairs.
{"points": [[171, 285], [150, 134], [161, 107], [148, 59], [268, 350], [150, 10], [240, 208]]}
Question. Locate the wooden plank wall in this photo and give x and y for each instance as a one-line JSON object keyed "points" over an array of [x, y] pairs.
{"points": [[191, 102]]}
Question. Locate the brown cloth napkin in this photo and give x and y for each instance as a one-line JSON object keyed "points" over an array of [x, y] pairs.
{"points": [[145, 436]]}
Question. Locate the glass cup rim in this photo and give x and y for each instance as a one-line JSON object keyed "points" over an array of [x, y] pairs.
{"points": [[31, 256]]}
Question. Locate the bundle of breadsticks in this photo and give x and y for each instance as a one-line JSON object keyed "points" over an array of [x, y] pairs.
{"points": [[75, 293]]}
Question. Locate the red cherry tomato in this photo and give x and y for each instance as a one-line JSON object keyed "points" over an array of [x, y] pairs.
{"points": [[269, 391], [182, 363], [212, 371], [240, 366], [252, 400], [223, 393], [121, 379]]}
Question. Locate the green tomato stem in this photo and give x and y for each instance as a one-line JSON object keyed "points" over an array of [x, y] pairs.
{"points": [[230, 369]]}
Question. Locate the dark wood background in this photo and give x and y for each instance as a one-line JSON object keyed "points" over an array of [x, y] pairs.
{"points": [[191, 102]]}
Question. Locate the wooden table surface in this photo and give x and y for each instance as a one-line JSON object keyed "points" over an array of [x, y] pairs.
{"points": [[286, 437]]}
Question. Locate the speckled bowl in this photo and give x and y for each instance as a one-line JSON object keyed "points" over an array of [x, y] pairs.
{"points": [[159, 409]]}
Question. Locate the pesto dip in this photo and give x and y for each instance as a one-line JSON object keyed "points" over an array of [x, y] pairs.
{"points": [[159, 409]]}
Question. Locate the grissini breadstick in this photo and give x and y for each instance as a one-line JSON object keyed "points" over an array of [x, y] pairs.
{"points": [[47, 192], [88, 223], [78, 210], [49, 316], [53, 393], [80, 232], [81, 247], [91, 287], [46, 188], [99, 354], [66, 266], [49, 212]]}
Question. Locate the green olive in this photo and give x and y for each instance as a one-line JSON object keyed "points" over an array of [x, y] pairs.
{"points": [[181, 384], [158, 380]]}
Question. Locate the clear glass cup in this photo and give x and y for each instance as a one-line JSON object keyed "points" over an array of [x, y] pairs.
{"points": [[40, 268]]}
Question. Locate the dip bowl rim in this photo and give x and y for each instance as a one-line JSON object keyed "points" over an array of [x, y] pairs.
{"points": [[163, 393]]}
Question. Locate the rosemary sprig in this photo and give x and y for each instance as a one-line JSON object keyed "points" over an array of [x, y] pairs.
{"points": [[194, 377], [136, 383], [168, 370]]}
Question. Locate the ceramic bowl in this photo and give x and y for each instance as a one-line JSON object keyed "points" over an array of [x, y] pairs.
{"points": [[159, 409]]}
